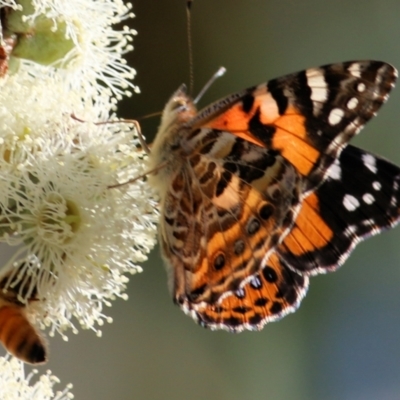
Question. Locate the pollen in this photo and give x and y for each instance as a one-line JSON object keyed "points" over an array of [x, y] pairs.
{"points": [[58, 219]]}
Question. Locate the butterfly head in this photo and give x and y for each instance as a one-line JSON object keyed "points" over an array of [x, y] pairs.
{"points": [[167, 147], [179, 109]]}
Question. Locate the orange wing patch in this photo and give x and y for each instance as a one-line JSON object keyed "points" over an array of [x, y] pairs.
{"points": [[286, 132], [236, 117], [290, 138], [310, 231]]}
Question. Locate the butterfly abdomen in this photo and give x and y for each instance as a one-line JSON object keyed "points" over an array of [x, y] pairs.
{"points": [[19, 336]]}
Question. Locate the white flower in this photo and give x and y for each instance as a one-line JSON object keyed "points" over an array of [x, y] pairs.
{"points": [[15, 385], [76, 239], [75, 41]]}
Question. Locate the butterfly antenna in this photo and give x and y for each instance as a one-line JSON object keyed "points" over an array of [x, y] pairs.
{"points": [[221, 71], [136, 178], [151, 115], [190, 47]]}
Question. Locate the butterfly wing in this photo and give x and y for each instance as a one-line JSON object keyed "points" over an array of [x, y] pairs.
{"points": [[309, 116], [224, 213], [268, 295], [253, 179], [360, 198]]}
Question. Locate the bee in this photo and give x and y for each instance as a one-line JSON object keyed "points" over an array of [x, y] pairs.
{"points": [[17, 334]]}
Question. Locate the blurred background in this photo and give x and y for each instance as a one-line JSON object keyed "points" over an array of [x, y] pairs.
{"points": [[344, 341]]}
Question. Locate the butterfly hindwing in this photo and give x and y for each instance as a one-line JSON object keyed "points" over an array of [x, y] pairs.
{"points": [[224, 215], [360, 198], [267, 296]]}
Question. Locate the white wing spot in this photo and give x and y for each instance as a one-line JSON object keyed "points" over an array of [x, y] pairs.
{"points": [[361, 87], [377, 185], [370, 162], [368, 198], [378, 80], [255, 282], [369, 222], [319, 88], [354, 69], [335, 116], [335, 171], [350, 230], [352, 103], [350, 202]]}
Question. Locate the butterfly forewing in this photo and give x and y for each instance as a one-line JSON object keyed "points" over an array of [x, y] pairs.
{"points": [[309, 116], [257, 193]]}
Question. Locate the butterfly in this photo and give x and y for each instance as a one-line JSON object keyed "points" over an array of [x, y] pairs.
{"points": [[261, 190]]}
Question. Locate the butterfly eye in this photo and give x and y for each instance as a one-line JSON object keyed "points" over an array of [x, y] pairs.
{"points": [[179, 105]]}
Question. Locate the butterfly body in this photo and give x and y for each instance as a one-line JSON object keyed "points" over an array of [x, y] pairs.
{"points": [[168, 146], [247, 212]]}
